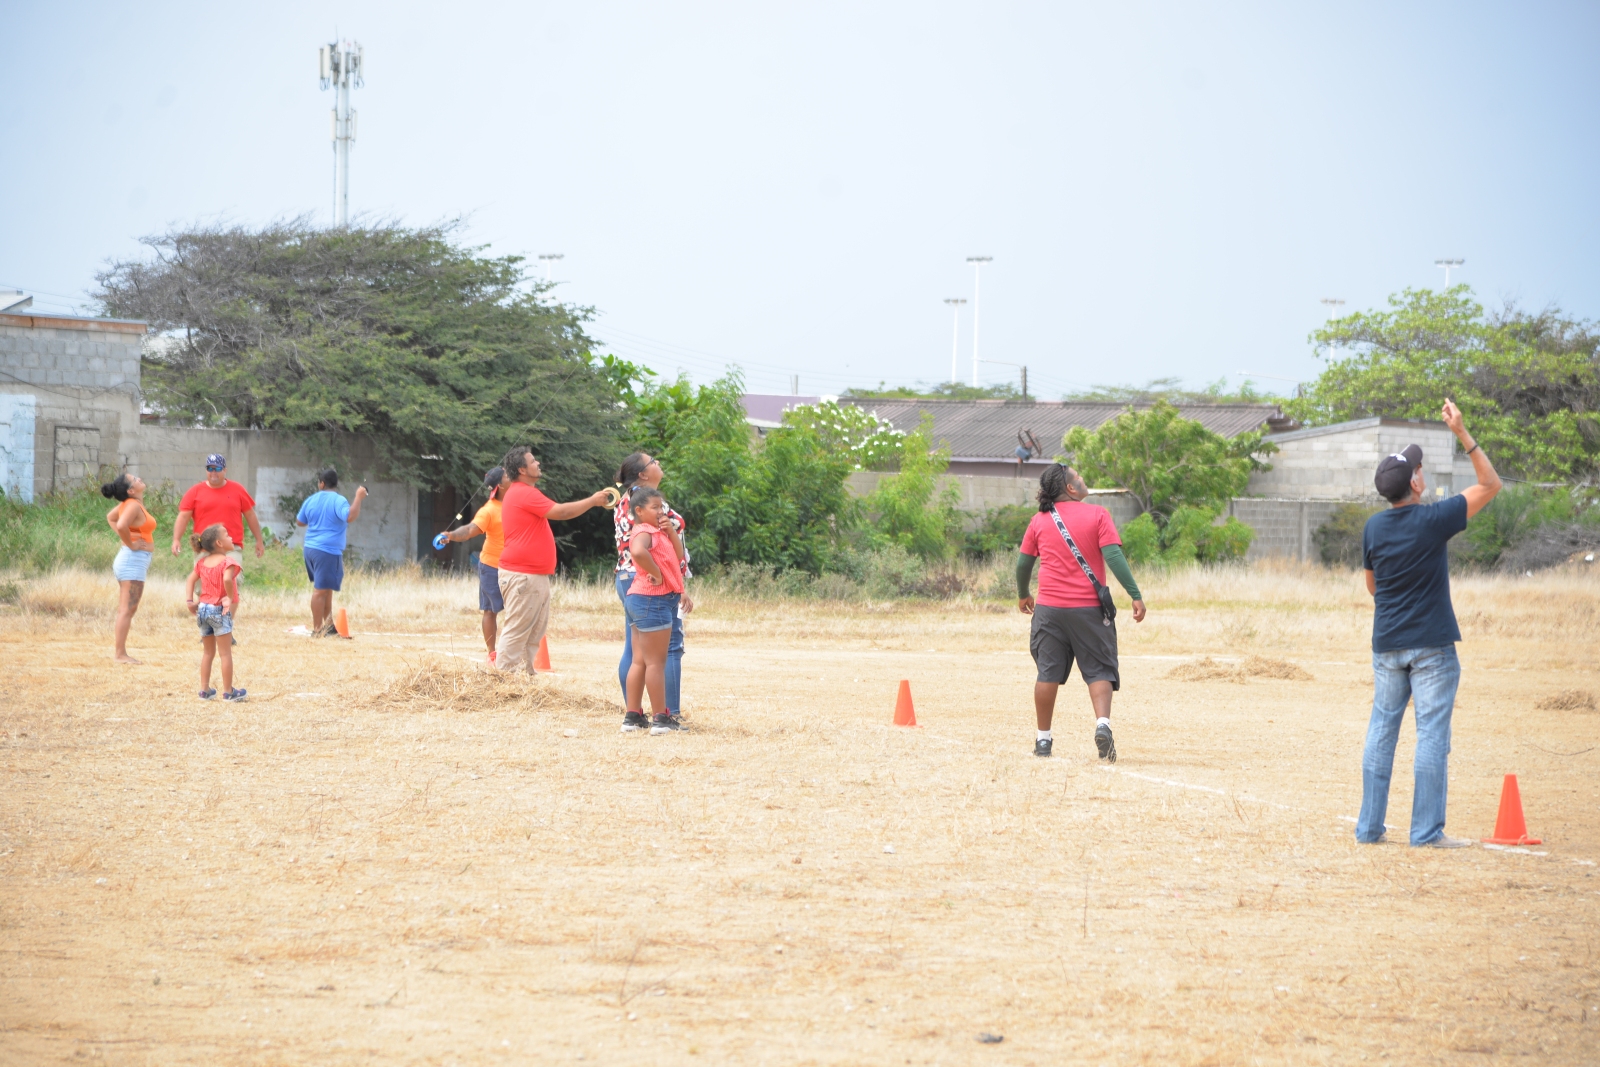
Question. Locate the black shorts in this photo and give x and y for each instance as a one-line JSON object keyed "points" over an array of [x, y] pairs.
{"points": [[1060, 635]]}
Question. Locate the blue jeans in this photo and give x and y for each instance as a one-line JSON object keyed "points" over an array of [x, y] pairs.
{"points": [[1429, 677], [674, 648]]}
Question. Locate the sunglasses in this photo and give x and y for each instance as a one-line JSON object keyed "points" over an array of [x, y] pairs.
{"points": [[215, 470]]}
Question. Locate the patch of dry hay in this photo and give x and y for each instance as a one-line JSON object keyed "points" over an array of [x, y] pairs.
{"points": [[1209, 670], [1568, 700], [435, 686]]}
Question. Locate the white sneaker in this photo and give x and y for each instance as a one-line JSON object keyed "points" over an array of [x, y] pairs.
{"points": [[1446, 841]]}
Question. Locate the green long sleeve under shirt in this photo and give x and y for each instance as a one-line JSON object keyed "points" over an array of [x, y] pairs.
{"points": [[1116, 563]]}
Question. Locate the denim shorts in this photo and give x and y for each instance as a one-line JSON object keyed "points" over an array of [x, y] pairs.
{"points": [[213, 620], [489, 596], [325, 569], [652, 613], [130, 566]]}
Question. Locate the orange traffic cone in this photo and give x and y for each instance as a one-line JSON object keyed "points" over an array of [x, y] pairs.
{"points": [[904, 713], [541, 659], [341, 622], [1509, 828]]}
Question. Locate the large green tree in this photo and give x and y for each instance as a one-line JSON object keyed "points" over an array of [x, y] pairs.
{"points": [[1164, 460], [1529, 384], [446, 356]]}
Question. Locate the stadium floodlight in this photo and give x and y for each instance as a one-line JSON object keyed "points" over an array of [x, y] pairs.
{"points": [[977, 268], [955, 303], [341, 66], [1447, 265], [1333, 304], [549, 259]]}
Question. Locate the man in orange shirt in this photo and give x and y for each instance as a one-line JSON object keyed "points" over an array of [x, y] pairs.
{"points": [[487, 523], [528, 558]]}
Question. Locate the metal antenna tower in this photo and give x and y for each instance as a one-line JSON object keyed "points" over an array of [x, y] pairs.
{"points": [[340, 67]]}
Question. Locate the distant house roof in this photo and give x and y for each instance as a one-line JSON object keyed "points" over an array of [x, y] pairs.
{"points": [[988, 429], [765, 410]]}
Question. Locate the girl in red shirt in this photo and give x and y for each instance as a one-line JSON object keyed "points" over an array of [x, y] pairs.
{"points": [[652, 605], [217, 574]]}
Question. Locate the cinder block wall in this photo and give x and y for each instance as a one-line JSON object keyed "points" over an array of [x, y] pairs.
{"points": [[272, 465], [1337, 462], [84, 377], [1284, 528], [982, 493]]}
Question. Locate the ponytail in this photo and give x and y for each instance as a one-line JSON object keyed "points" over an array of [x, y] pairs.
{"points": [[1052, 486], [631, 468]]}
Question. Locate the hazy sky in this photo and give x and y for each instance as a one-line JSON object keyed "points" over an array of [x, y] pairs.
{"points": [[1166, 189]]}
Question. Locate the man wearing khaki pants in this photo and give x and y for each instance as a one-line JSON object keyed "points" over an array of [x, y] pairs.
{"points": [[528, 559]]}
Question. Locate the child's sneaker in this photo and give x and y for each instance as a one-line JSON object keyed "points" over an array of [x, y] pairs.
{"points": [[207, 694], [634, 720], [233, 694], [664, 724]]}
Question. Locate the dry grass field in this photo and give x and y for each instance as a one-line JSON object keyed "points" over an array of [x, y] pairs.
{"points": [[388, 856]]}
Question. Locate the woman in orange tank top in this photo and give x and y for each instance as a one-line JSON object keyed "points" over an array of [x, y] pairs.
{"points": [[136, 527]]}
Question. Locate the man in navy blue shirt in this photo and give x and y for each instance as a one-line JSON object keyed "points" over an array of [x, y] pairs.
{"points": [[327, 517], [1414, 633]]}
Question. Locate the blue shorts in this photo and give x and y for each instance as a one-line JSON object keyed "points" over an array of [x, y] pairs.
{"points": [[652, 613], [325, 569], [130, 566], [214, 620], [489, 598]]}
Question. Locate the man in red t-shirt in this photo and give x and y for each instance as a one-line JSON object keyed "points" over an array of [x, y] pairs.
{"points": [[1067, 621], [528, 559], [218, 499]]}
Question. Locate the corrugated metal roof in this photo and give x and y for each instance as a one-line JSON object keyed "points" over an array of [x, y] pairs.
{"points": [[988, 429]]}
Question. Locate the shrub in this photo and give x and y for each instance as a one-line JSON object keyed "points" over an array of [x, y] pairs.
{"points": [[910, 509], [1339, 538], [1192, 535], [1001, 530]]}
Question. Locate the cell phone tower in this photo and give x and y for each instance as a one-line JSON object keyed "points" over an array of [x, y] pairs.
{"points": [[340, 66]]}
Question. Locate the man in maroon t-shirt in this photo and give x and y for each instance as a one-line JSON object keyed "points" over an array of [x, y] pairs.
{"points": [[528, 559]]}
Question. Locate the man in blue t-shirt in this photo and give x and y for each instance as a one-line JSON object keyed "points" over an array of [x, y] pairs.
{"points": [[327, 517], [1414, 633]]}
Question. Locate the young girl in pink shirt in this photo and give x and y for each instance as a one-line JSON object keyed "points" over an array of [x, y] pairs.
{"points": [[652, 604]]}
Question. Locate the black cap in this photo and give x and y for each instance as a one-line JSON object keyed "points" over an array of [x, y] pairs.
{"points": [[1393, 480], [495, 476]]}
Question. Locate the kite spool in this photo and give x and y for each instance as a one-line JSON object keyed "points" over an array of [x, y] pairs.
{"points": [[613, 496]]}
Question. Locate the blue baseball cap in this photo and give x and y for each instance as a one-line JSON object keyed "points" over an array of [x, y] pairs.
{"points": [[216, 462]]}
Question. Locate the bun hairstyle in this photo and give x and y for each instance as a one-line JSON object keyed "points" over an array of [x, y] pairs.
{"points": [[641, 496], [117, 488], [206, 540], [329, 478], [631, 468]]}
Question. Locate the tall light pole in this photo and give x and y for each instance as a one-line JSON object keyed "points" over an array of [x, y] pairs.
{"points": [[1333, 304], [977, 268], [1447, 264], [549, 259], [955, 303], [340, 67]]}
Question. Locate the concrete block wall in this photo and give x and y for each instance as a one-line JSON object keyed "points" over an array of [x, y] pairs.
{"points": [[982, 493], [84, 377], [1284, 528], [1337, 462], [271, 464]]}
